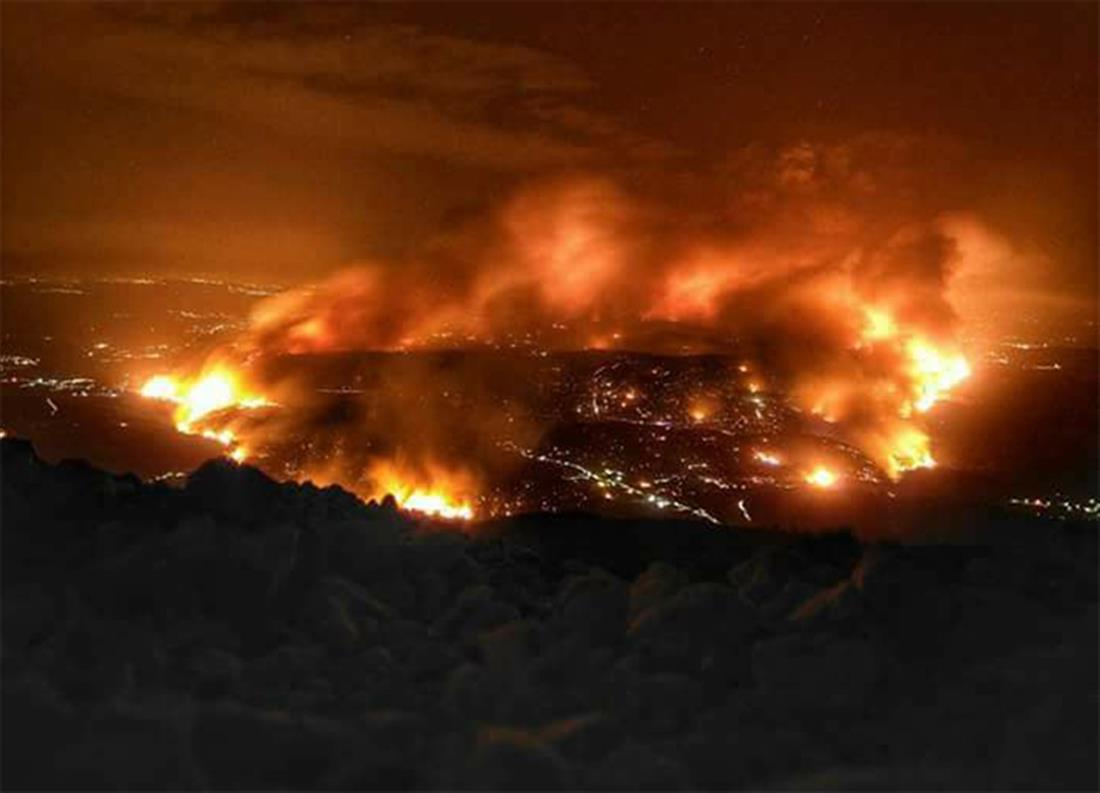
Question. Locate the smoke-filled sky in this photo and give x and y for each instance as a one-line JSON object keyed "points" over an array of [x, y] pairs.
{"points": [[283, 142]]}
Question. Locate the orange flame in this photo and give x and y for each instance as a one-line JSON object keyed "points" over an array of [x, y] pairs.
{"points": [[880, 324], [935, 372], [821, 477], [215, 390], [910, 451], [929, 372], [441, 497]]}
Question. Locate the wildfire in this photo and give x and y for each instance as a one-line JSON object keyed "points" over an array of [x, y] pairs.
{"points": [[929, 371], [701, 408], [693, 293], [909, 451], [215, 390], [435, 504], [767, 458], [160, 387], [935, 372], [841, 327], [932, 371], [438, 499], [879, 324], [220, 389], [821, 477]]}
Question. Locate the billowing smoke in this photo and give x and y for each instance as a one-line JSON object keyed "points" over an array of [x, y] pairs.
{"points": [[828, 266]]}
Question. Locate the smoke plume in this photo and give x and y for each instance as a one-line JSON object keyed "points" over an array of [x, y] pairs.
{"points": [[829, 266]]}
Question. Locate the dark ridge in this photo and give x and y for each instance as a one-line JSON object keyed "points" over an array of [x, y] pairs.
{"points": [[239, 633]]}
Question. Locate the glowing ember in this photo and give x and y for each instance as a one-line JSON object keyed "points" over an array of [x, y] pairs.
{"points": [[821, 477], [700, 410], [767, 458], [435, 504], [160, 387], [224, 437]]}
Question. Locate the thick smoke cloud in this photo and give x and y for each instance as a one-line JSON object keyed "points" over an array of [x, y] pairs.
{"points": [[585, 255], [829, 266]]}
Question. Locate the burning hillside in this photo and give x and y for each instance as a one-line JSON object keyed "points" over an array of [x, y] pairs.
{"points": [[684, 396], [830, 293], [216, 390]]}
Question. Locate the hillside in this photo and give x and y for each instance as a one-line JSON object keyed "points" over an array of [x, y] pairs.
{"points": [[242, 633]]}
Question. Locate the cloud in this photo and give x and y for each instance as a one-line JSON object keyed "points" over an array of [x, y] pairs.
{"points": [[269, 140], [322, 73]]}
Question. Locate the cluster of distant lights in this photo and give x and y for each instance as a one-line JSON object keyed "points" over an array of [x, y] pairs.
{"points": [[1060, 505], [81, 286], [623, 401], [609, 479], [664, 491], [818, 476], [1018, 354], [70, 386]]}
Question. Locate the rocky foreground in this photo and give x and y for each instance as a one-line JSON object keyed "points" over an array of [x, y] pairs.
{"points": [[239, 633]]}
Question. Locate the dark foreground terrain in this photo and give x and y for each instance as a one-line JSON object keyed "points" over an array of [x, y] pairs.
{"points": [[239, 633]]}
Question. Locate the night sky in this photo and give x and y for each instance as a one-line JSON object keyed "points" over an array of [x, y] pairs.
{"points": [[276, 142]]}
